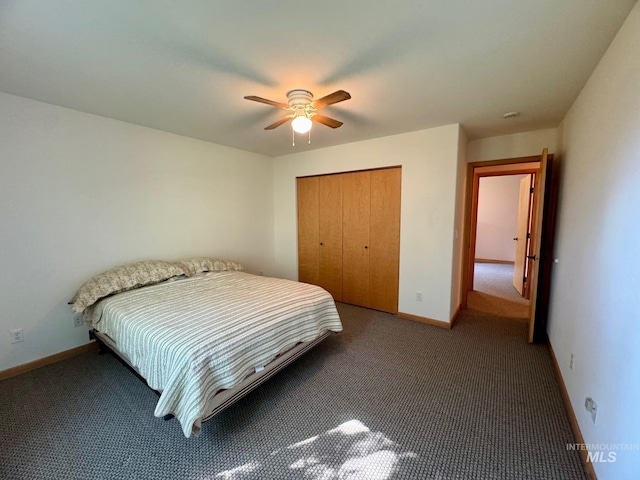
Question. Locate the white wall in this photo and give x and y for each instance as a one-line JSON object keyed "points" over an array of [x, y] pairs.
{"points": [[596, 284], [497, 217], [512, 146], [429, 167], [458, 237], [81, 193]]}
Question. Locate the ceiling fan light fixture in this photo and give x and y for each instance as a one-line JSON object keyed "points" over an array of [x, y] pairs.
{"points": [[303, 109], [301, 124]]}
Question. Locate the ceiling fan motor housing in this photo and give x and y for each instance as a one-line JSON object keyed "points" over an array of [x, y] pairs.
{"points": [[299, 97]]}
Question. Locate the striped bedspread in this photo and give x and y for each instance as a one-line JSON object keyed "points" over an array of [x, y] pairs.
{"points": [[192, 337]]}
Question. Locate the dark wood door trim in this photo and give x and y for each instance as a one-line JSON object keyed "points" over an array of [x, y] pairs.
{"points": [[476, 170]]}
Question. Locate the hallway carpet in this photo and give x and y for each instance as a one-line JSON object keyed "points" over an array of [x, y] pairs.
{"points": [[494, 293]]}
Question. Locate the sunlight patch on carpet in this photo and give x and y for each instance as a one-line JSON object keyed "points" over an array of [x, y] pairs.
{"points": [[348, 452]]}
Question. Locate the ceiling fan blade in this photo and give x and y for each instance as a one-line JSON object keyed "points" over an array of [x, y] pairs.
{"points": [[279, 122], [335, 97], [267, 101], [329, 122]]}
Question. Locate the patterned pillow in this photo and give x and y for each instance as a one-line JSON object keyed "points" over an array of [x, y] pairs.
{"points": [[122, 278], [193, 266]]}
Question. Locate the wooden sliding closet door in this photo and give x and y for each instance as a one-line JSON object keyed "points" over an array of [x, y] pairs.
{"points": [[330, 228], [309, 230], [384, 248], [349, 236], [355, 237]]}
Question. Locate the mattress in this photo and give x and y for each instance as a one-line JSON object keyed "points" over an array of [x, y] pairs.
{"points": [[193, 337]]}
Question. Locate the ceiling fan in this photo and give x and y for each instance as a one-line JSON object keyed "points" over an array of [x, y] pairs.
{"points": [[304, 110]]}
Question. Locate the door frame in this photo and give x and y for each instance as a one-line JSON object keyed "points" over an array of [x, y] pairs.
{"points": [[476, 170]]}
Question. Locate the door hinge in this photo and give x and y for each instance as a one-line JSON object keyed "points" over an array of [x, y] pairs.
{"points": [[531, 190], [524, 279], [528, 235]]}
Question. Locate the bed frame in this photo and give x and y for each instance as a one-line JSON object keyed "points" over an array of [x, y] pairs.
{"points": [[223, 398]]}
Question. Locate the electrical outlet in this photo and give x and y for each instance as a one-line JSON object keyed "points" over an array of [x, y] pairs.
{"points": [[17, 335], [571, 362], [419, 296], [77, 320]]}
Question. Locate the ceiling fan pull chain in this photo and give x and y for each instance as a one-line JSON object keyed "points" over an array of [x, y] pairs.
{"points": [[309, 137], [293, 135]]}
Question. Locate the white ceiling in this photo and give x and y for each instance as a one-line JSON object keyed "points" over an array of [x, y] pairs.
{"points": [[184, 67]]}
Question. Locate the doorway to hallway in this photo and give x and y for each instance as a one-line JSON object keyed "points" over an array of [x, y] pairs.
{"points": [[538, 266]]}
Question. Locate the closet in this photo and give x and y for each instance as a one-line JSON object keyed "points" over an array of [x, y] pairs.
{"points": [[349, 235]]}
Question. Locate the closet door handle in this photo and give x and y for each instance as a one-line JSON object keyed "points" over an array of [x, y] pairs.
{"points": [[366, 246], [321, 243]]}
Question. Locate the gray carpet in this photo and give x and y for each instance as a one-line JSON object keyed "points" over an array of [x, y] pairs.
{"points": [[387, 398], [494, 293]]}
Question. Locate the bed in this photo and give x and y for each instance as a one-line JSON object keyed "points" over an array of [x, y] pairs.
{"points": [[204, 341]]}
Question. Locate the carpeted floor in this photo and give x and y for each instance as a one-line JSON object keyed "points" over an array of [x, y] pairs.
{"points": [[387, 398], [494, 293]]}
